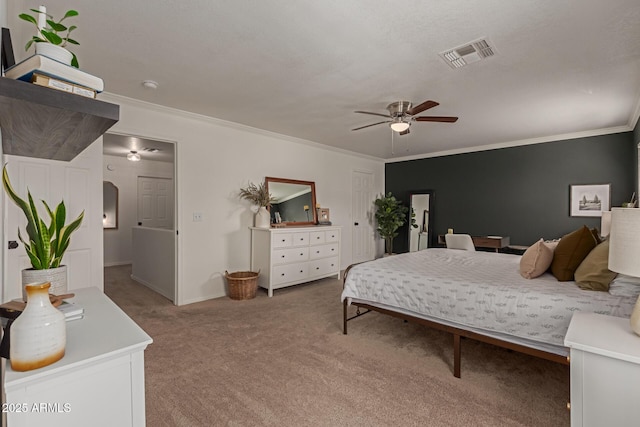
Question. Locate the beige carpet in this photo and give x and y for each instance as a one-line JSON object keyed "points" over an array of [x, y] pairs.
{"points": [[283, 361]]}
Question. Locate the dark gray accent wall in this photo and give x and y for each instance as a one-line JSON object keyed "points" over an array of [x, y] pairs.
{"points": [[521, 192]]}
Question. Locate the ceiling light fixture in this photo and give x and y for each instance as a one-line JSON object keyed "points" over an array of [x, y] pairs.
{"points": [[399, 126], [150, 84], [133, 156]]}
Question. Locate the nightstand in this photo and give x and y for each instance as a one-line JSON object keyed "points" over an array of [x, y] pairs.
{"points": [[605, 371]]}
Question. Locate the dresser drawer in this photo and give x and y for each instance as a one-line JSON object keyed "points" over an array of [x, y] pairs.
{"points": [[287, 255], [323, 251], [332, 236], [323, 266], [285, 240], [316, 237], [290, 272]]}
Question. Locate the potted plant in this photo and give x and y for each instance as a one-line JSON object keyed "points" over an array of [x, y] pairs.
{"points": [[259, 196], [52, 36], [46, 244], [390, 215]]}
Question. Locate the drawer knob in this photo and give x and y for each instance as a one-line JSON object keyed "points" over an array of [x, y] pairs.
{"points": [[333, 249], [282, 274], [301, 254], [301, 271], [282, 256], [317, 268]]}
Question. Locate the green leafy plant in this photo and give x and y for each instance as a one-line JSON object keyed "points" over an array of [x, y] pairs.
{"points": [[54, 31], [47, 243], [390, 216], [257, 194]]}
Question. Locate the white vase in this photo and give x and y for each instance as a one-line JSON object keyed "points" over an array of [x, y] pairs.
{"points": [[262, 218], [57, 277], [635, 318], [39, 335], [53, 51]]}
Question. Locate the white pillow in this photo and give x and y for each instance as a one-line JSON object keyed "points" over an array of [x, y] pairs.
{"points": [[625, 286]]}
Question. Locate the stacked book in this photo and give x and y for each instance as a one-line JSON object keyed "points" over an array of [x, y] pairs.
{"points": [[48, 72], [12, 309]]}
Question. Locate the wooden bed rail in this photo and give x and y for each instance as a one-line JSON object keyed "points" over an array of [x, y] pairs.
{"points": [[456, 332]]}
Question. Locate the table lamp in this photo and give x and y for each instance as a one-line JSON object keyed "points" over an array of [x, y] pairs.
{"points": [[624, 250]]}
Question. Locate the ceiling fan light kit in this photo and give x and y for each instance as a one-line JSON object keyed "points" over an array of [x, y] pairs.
{"points": [[133, 156], [402, 113]]}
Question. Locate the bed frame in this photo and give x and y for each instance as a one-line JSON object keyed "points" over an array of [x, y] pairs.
{"points": [[456, 332]]}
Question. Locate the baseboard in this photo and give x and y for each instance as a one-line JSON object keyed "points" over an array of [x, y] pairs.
{"points": [[116, 263], [152, 287]]}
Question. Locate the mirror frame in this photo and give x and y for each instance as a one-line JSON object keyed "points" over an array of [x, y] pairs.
{"points": [[431, 194], [312, 184], [116, 190]]}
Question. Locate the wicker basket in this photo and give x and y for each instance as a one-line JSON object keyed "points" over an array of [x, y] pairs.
{"points": [[242, 284]]}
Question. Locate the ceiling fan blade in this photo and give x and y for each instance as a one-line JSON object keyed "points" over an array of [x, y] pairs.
{"points": [[443, 119], [373, 114], [405, 132], [421, 107], [379, 123]]}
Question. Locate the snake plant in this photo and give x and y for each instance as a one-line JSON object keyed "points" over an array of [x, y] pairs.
{"points": [[47, 243]]}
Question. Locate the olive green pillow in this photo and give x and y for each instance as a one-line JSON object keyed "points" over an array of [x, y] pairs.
{"points": [[572, 249], [593, 273]]}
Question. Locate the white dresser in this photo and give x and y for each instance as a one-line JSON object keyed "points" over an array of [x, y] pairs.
{"points": [[292, 255], [98, 382], [605, 371]]}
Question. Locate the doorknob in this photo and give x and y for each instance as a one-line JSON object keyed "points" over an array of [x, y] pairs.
{"points": [[13, 244]]}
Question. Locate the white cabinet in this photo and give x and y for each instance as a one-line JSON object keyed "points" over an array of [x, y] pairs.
{"points": [[98, 382], [289, 256], [605, 371]]}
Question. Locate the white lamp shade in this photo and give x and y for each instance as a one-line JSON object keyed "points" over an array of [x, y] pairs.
{"points": [[399, 126], [605, 223], [624, 241]]}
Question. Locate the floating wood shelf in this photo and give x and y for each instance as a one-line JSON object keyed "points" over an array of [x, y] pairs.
{"points": [[50, 124]]}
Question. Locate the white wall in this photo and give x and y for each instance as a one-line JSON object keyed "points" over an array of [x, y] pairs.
{"points": [[117, 242], [214, 160]]}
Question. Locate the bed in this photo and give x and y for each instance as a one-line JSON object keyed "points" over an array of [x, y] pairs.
{"points": [[477, 295]]}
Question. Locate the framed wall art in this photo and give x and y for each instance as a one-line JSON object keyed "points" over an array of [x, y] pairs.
{"points": [[590, 200]]}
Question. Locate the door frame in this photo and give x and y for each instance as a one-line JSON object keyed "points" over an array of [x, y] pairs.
{"points": [[177, 294]]}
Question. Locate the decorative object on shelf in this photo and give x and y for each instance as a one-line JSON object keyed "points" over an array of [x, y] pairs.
{"points": [[390, 216], [632, 203], [624, 250], [242, 284], [259, 196], [39, 334], [323, 216], [51, 39], [46, 244], [590, 200]]}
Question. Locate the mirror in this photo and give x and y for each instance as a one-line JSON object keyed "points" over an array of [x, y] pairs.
{"points": [[295, 201], [420, 205], [109, 205]]}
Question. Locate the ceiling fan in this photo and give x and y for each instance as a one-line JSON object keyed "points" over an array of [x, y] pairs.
{"points": [[401, 115]]}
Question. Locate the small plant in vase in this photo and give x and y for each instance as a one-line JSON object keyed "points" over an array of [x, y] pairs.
{"points": [[390, 216], [52, 33], [46, 244], [259, 196]]}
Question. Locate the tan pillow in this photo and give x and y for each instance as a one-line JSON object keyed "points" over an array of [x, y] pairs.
{"points": [[536, 260], [571, 250], [593, 273]]}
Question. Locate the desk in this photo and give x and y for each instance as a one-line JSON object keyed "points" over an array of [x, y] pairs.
{"points": [[98, 382], [487, 242]]}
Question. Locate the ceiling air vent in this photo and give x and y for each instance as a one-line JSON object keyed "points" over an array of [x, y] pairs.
{"points": [[468, 53]]}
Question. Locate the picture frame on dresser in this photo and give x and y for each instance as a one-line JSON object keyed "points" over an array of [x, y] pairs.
{"points": [[589, 200]]}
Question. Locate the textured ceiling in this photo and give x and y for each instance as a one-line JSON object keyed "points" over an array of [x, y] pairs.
{"points": [[301, 68]]}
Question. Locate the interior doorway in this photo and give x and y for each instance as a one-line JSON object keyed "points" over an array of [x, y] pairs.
{"points": [[143, 171]]}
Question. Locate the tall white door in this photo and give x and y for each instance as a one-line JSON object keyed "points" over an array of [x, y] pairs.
{"points": [[79, 184], [155, 202], [363, 244]]}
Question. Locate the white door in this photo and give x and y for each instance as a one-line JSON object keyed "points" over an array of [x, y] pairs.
{"points": [[363, 244], [79, 184], [155, 202]]}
